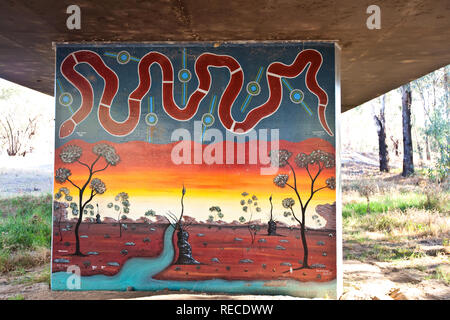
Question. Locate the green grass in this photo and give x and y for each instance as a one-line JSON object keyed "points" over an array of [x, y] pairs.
{"points": [[25, 229], [387, 254], [385, 203], [440, 274], [29, 226], [32, 278], [17, 297]]}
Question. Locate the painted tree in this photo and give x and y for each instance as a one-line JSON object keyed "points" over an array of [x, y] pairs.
{"points": [[317, 159], [150, 213], [97, 216], [89, 210], [272, 224], [61, 210], [184, 248], [216, 213], [71, 154], [122, 207], [288, 214], [248, 203]]}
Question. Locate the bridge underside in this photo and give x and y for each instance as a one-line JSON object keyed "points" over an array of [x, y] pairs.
{"points": [[413, 39]]}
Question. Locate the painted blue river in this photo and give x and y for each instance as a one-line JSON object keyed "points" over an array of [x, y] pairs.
{"points": [[138, 273]]}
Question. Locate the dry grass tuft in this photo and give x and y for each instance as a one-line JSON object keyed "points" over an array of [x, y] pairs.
{"points": [[24, 259]]}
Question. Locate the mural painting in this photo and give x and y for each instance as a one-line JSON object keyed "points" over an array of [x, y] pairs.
{"points": [[196, 166]]}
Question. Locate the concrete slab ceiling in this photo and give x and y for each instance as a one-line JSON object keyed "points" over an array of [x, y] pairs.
{"points": [[414, 38]]}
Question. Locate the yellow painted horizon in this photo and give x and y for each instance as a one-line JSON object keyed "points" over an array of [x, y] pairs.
{"points": [[198, 201]]}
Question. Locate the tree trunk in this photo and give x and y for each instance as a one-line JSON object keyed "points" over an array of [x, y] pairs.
{"points": [[77, 227], [184, 248], [427, 148], [305, 245], [272, 225], [408, 164], [272, 228], [419, 151], [381, 130], [77, 237]]}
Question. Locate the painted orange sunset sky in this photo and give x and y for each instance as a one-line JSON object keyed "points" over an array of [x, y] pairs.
{"points": [[147, 173]]}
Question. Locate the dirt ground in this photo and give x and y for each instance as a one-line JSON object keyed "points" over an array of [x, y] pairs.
{"points": [[413, 279]]}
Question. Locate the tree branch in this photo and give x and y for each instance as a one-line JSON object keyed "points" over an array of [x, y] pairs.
{"points": [[293, 171], [84, 164], [90, 174], [309, 173], [93, 164], [312, 185], [107, 165], [290, 186], [324, 187], [295, 217], [73, 184], [93, 194], [295, 184]]}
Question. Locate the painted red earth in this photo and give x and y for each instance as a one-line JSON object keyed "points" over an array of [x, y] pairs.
{"points": [[225, 252], [104, 240]]}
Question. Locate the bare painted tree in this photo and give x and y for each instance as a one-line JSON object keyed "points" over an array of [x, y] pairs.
{"points": [[317, 159], [408, 163], [272, 224], [71, 154], [380, 121], [184, 247], [97, 216]]}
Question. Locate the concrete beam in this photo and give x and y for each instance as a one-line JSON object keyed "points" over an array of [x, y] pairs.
{"points": [[413, 39]]}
